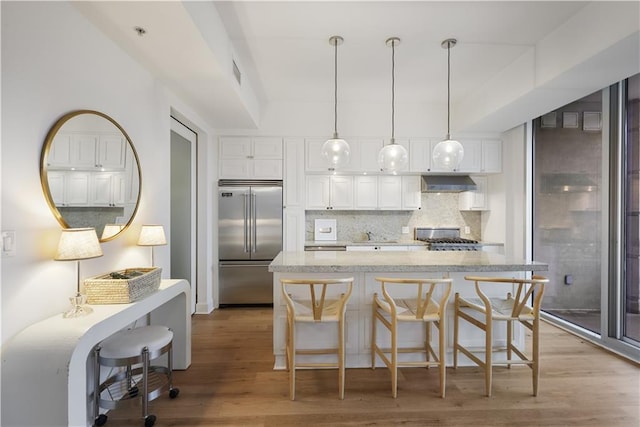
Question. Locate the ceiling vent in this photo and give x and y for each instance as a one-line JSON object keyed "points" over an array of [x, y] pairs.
{"points": [[236, 72]]}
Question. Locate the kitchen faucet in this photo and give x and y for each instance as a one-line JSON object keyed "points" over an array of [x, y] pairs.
{"points": [[368, 233]]}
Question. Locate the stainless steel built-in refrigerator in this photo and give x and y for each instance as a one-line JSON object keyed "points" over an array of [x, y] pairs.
{"points": [[249, 236]]}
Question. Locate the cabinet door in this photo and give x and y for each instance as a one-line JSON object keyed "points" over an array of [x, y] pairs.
{"points": [[475, 200], [83, 151], [314, 162], [267, 148], [362, 248], [235, 168], [390, 192], [432, 167], [60, 151], [77, 188], [56, 182], [366, 155], [492, 156], [419, 155], [118, 189], [293, 180], [111, 151], [267, 168], [472, 159], [411, 192], [318, 191], [100, 189], [366, 192], [232, 147], [341, 192], [294, 229]]}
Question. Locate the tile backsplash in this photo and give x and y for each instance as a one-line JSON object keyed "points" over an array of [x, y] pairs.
{"points": [[438, 210]]}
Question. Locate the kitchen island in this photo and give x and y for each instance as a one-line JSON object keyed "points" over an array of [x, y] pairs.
{"points": [[364, 267]]}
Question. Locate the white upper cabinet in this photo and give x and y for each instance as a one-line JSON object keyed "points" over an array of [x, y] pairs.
{"points": [[472, 159], [364, 156], [250, 158], [411, 192], [366, 192], [293, 178], [69, 188], [390, 192], [88, 151], [329, 192], [477, 200], [480, 156]]}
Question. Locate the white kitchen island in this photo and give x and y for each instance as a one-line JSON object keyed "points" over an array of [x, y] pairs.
{"points": [[364, 267]]}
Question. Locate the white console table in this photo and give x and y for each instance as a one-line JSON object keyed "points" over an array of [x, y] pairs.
{"points": [[45, 367]]}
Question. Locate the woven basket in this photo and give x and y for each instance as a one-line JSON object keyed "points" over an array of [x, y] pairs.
{"points": [[106, 290]]}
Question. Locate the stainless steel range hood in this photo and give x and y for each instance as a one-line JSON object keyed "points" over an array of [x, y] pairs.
{"points": [[447, 183]]}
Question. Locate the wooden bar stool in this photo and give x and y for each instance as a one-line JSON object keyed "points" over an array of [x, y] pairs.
{"points": [[315, 301], [133, 350], [413, 300], [507, 309]]}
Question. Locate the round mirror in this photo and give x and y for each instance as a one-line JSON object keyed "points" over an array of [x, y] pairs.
{"points": [[90, 173]]}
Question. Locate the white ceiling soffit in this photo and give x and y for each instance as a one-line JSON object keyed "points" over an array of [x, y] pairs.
{"points": [[187, 48], [513, 59]]}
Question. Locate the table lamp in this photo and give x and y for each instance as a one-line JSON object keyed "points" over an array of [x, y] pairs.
{"points": [[110, 230], [76, 244], [152, 235]]}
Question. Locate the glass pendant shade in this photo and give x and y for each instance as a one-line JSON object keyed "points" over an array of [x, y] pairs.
{"points": [[393, 158], [336, 152], [447, 154]]}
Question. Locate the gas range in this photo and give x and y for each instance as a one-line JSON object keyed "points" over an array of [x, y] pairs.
{"points": [[445, 239]]}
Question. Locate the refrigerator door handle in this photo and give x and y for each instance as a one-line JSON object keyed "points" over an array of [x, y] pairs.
{"points": [[254, 220], [246, 225]]}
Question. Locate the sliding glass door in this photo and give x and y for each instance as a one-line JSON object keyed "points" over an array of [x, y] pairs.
{"points": [[586, 215], [631, 207]]}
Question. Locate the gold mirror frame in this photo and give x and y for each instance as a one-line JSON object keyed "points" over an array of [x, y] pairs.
{"points": [[45, 169]]}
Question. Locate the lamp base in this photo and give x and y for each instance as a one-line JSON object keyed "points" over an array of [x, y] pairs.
{"points": [[78, 307]]}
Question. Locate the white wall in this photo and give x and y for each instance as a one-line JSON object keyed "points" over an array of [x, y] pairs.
{"points": [[54, 61]]}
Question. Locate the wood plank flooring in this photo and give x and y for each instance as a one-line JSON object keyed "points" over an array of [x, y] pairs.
{"points": [[231, 383]]}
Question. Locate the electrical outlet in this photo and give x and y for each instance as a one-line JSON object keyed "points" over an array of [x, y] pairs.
{"points": [[405, 230], [467, 229]]}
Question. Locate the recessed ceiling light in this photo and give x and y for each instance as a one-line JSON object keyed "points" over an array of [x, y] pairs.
{"points": [[141, 31]]}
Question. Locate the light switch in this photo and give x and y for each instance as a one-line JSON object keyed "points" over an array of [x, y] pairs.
{"points": [[8, 243]]}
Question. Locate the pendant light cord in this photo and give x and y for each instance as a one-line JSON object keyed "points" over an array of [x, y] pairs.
{"points": [[448, 90], [393, 92], [335, 89]]}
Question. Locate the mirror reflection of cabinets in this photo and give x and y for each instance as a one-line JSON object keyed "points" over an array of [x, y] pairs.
{"points": [[90, 172]]}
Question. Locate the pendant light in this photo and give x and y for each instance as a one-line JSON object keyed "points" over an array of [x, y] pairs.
{"points": [[448, 154], [393, 157], [336, 151]]}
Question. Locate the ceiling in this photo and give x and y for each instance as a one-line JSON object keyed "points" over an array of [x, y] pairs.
{"points": [[283, 52]]}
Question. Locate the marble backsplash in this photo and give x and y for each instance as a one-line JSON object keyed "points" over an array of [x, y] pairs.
{"points": [[438, 210]]}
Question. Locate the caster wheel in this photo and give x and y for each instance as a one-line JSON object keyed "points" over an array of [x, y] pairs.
{"points": [[149, 421], [101, 420], [174, 392], [133, 392]]}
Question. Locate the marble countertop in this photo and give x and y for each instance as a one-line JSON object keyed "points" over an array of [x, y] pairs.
{"points": [[402, 261], [409, 242]]}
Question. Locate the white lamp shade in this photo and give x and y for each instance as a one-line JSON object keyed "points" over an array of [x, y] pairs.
{"points": [[447, 154], [152, 235], [78, 243], [393, 158], [336, 152], [111, 230]]}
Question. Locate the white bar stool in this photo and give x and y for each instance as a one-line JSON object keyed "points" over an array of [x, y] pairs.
{"points": [[127, 348]]}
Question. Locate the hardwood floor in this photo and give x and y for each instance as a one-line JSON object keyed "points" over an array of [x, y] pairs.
{"points": [[231, 383]]}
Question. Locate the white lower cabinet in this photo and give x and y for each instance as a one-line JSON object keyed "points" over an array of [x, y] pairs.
{"points": [[69, 188], [411, 193], [293, 229]]}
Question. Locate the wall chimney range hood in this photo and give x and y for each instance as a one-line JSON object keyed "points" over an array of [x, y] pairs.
{"points": [[447, 183]]}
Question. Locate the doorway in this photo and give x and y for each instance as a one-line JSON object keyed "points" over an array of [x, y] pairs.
{"points": [[183, 205]]}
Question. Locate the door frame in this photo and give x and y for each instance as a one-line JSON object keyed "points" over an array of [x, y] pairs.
{"points": [[192, 136]]}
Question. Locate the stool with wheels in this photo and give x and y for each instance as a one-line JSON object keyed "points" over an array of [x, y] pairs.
{"points": [[133, 350]]}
